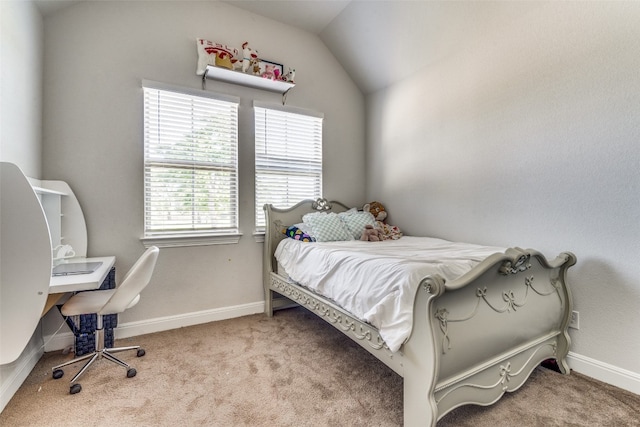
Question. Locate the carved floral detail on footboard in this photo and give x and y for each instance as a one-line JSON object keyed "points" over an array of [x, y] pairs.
{"points": [[510, 304], [505, 375], [504, 372], [354, 327]]}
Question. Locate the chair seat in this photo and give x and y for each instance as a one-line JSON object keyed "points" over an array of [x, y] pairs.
{"points": [[86, 302]]}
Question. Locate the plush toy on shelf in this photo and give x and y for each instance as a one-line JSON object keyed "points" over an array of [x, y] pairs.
{"points": [[289, 76], [254, 66], [248, 55], [269, 71]]}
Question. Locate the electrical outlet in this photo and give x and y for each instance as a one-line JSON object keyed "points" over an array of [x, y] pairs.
{"points": [[574, 322]]}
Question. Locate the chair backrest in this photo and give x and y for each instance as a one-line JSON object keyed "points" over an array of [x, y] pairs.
{"points": [[133, 283]]}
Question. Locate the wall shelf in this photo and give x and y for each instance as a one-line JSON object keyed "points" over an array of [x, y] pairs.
{"points": [[244, 79]]}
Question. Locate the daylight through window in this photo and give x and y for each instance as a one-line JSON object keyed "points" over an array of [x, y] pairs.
{"points": [[190, 163], [288, 157]]}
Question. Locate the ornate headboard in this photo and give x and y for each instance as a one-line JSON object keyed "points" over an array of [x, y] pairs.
{"points": [[278, 219]]}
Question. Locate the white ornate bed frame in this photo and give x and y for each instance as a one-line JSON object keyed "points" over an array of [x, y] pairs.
{"points": [[473, 339]]}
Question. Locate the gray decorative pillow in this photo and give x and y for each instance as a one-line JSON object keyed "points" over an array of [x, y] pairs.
{"points": [[327, 227]]}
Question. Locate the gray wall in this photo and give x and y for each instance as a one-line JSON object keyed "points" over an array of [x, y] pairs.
{"points": [[526, 134], [21, 86], [97, 53]]}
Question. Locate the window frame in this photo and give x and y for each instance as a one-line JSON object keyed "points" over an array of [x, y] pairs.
{"points": [[258, 207], [191, 237]]}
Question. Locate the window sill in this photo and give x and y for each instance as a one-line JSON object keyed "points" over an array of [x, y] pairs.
{"points": [[187, 240]]}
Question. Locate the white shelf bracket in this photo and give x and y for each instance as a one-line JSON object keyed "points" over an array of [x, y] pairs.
{"points": [[204, 79], [284, 96]]}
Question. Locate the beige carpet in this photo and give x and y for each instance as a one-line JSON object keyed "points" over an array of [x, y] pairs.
{"points": [[292, 370]]}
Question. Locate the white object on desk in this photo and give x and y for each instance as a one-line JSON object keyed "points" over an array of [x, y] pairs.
{"points": [[62, 252]]}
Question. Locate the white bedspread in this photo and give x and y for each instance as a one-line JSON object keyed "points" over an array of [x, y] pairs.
{"points": [[377, 281]]}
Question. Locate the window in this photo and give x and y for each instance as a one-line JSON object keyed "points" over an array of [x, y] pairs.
{"points": [[288, 157], [190, 163]]}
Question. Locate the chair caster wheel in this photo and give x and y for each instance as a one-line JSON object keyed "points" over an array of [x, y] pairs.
{"points": [[76, 388], [141, 352], [57, 374], [131, 372]]}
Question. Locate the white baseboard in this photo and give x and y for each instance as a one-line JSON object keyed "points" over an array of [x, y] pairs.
{"points": [[604, 372], [601, 371], [21, 370], [159, 324]]}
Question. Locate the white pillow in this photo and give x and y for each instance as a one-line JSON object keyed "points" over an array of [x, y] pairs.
{"points": [[327, 227], [206, 55], [356, 221], [306, 229], [208, 52]]}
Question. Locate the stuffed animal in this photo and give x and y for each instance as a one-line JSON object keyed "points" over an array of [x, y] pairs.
{"points": [[377, 210], [387, 231], [254, 66], [248, 55], [269, 72], [289, 76], [371, 234]]}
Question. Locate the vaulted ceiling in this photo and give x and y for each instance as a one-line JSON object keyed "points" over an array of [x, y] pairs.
{"points": [[378, 42]]}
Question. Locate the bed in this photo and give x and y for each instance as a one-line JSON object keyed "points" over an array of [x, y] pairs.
{"points": [[474, 330]]}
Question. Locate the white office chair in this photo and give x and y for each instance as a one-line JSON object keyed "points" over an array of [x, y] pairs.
{"points": [[104, 302]]}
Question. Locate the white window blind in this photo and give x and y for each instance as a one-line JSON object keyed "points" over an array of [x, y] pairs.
{"points": [[288, 157], [190, 163]]}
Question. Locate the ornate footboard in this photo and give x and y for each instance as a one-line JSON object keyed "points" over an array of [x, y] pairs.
{"points": [[490, 329], [473, 339]]}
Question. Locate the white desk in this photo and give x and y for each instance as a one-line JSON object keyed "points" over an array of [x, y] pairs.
{"points": [[35, 217], [82, 282], [60, 285]]}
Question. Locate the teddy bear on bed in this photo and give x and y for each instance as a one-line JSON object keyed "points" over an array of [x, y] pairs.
{"points": [[377, 210], [388, 232], [371, 234]]}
